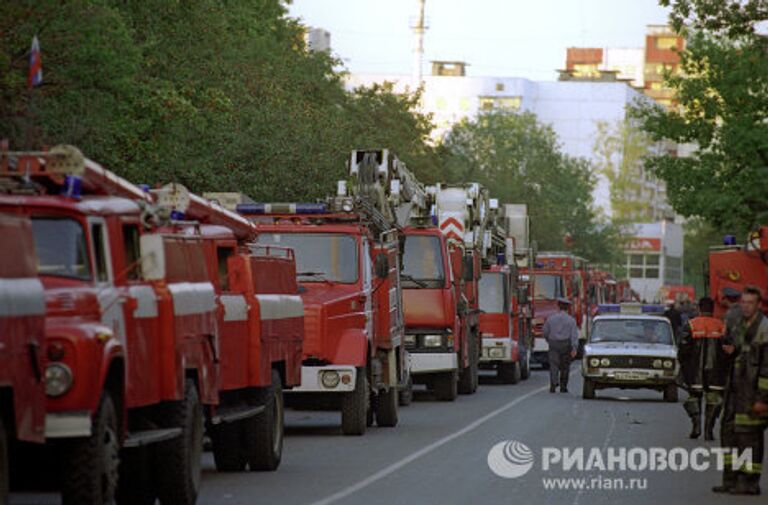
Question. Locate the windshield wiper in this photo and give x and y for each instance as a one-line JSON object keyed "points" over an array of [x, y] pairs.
{"points": [[418, 282], [320, 275]]}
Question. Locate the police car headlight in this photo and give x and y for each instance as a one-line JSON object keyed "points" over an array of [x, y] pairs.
{"points": [[330, 379], [594, 362], [433, 340], [668, 364], [656, 363], [58, 379], [605, 362]]}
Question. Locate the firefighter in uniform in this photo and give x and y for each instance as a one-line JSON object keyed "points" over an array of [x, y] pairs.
{"points": [[745, 414], [704, 368], [730, 300], [562, 335]]}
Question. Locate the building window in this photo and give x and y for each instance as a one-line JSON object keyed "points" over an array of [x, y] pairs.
{"points": [[506, 103], [499, 86], [673, 270], [643, 266], [586, 70], [666, 43]]}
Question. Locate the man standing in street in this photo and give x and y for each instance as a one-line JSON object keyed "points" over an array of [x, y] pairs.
{"points": [[704, 367], [731, 297], [562, 335], [746, 397]]}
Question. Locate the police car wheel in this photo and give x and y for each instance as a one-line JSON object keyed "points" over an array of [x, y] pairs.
{"points": [[3, 463], [588, 389]]}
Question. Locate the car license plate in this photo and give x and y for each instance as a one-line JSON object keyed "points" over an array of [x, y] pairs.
{"points": [[631, 376]]}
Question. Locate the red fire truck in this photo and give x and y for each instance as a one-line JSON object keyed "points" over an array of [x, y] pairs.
{"points": [[504, 317], [558, 275], [347, 255], [22, 324], [261, 327], [130, 332], [441, 270], [734, 266]]}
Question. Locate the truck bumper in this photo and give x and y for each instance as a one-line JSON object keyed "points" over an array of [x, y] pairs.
{"points": [[433, 362], [68, 425], [326, 379], [496, 349]]}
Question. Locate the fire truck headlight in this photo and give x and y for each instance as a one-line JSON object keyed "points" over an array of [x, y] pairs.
{"points": [[668, 364], [347, 205], [433, 340], [410, 339], [58, 379], [330, 379], [605, 362], [594, 362]]}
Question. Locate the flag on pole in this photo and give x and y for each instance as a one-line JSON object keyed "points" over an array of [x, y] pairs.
{"points": [[35, 77]]}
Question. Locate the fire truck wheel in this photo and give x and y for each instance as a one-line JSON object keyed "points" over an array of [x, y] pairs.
{"points": [[446, 386], [90, 472], [670, 393], [355, 406], [468, 377], [588, 389], [525, 365], [406, 394], [386, 408], [3, 463], [227, 445], [178, 460], [264, 433], [509, 373], [136, 486]]}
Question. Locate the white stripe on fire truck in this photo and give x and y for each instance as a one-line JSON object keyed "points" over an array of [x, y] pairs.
{"points": [[21, 297], [280, 306], [192, 298], [146, 301], [235, 308]]}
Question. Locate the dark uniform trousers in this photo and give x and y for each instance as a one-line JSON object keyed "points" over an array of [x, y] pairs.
{"points": [[559, 362]]}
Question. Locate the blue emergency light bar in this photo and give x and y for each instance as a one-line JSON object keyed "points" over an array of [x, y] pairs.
{"points": [[281, 208], [629, 308]]}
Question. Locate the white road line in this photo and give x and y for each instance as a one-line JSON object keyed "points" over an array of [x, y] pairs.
{"points": [[384, 472]]}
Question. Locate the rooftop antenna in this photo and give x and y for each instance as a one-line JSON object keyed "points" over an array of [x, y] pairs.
{"points": [[418, 29]]}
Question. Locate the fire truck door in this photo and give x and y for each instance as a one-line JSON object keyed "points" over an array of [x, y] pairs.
{"points": [[110, 299]]}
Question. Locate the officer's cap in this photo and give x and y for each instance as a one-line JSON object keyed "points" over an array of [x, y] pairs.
{"points": [[731, 292]]}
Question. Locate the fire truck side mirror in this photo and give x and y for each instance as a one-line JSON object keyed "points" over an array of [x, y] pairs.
{"points": [[382, 266], [153, 257], [468, 269]]}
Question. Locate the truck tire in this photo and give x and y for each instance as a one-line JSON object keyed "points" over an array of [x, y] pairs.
{"points": [[588, 389], [178, 460], [509, 373], [136, 486], [386, 408], [4, 472], [90, 472], [468, 377], [405, 397], [228, 446], [355, 406], [264, 432], [525, 364], [446, 386], [670, 393]]}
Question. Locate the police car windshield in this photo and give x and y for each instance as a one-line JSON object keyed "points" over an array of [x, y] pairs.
{"points": [[61, 248], [492, 297], [320, 257], [637, 331], [547, 287], [422, 262]]}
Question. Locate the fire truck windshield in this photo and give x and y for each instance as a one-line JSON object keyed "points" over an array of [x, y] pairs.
{"points": [[422, 262], [60, 247], [492, 299], [320, 257], [547, 287]]}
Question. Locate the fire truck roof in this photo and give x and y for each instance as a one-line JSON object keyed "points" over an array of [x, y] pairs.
{"points": [[100, 205]]}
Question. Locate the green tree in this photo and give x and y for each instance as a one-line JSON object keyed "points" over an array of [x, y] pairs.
{"points": [[723, 94], [520, 160]]}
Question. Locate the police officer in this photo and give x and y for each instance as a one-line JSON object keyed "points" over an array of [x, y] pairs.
{"points": [[562, 335], [704, 367], [746, 397]]}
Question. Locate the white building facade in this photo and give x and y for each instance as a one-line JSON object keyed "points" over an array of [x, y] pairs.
{"points": [[654, 258]]}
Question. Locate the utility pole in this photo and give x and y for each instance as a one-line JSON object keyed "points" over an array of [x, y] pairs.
{"points": [[418, 45]]}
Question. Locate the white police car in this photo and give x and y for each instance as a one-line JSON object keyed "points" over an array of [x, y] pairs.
{"points": [[630, 348]]}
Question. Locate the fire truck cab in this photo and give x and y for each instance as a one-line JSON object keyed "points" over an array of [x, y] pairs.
{"points": [[737, 266], [22, 324]]}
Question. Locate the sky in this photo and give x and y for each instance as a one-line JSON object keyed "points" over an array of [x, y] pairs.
{"points": [[510, 38]]}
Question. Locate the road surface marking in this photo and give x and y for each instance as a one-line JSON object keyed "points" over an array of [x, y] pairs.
{"points": [[389, 470]]}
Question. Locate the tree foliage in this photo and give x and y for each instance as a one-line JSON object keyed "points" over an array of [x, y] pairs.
{"points": [[519, 159], [215, 94], [723, 115]]}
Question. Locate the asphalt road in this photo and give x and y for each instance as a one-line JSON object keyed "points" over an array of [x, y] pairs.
{"points": [[439, 451]]}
